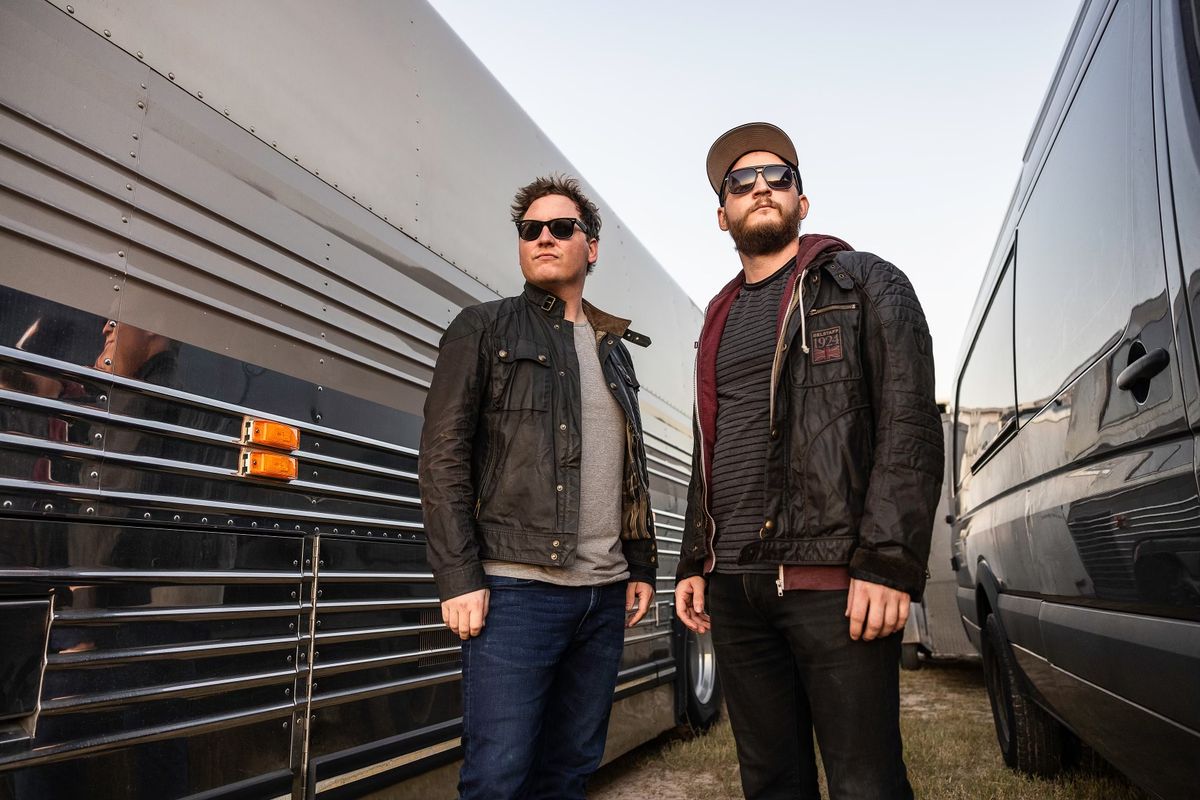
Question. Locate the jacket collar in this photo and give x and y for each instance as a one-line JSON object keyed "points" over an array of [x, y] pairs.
{"points": [[553, 306]]}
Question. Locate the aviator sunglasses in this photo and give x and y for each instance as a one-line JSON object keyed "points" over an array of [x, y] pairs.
{"points": [[777, 176], [561, 228]]}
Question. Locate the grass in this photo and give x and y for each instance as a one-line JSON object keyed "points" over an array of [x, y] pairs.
{"points": [[949, 746]]}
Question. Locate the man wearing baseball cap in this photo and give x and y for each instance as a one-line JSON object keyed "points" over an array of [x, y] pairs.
{"points": [[817, 464]]}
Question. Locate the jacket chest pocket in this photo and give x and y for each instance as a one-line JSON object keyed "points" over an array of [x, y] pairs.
{"points": [[521, 376], [833, 345]]}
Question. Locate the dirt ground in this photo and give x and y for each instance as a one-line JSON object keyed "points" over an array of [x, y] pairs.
{"points": [[949, 746]]}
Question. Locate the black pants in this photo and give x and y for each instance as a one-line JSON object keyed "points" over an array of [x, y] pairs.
{"points": [[788, 667]]}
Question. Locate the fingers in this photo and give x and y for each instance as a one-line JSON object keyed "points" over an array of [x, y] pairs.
{"points": [[891, 616], [857, 609], [641, 592], [466, 614], [689, 605], [905, 601]]}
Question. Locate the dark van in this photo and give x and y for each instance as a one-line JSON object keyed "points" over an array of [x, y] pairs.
{"points": [[1076, 512]]}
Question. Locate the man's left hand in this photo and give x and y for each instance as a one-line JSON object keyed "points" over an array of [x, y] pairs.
{"points": [[637, 601], [874, 610]]}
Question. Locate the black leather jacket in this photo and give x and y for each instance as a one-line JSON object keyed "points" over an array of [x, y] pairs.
{"points": [[500, 447], [854, 467]]}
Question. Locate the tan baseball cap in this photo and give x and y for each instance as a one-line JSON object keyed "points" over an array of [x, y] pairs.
{"points": [[736, 142]]}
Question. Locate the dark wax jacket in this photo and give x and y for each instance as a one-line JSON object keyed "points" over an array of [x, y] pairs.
{"points": [[854, 466], [501, 444]]}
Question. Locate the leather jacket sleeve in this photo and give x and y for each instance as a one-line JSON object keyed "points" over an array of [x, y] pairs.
{"points": [[447, 440], [906, 472]]}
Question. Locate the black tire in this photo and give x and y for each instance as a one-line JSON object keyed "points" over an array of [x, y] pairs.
{"points": [[1031, 740], [700, 699], [910, 656]]}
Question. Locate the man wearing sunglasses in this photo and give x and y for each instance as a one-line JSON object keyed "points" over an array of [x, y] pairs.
{"points": [[536, 502], [816, 471]]}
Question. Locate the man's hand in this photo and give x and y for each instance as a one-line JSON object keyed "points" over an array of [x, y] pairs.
{"points": [[874, 610], [466, 613], [689, 604], [638, 595]]}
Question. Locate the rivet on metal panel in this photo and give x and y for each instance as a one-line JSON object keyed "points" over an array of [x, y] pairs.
{"points": [[131, 155], [98, 436], [108, 362], [335, 530], [102, 398], [293, 595], [321, 563], [318, 415], [95, 474], [116, 288], [8, 503], [120, 254], [141, 104], [296, 159], [204, 520], [70, 9], [318, 623], [228, 522], [385, 534], [316, 445], [252, 129], [125, 219], [295, 562], [226, 112], [200, 95], [317, 172], [312, 717], [308, 562], [90, 510], [135, 136], [107, 33], [352, 530], [285, 724], [322, 360], [315, 528], [291, 626], [274, 144], [320, 388], [143, 86], [176, 518], [129, 187], [48, 507], [276, 526], [146, 515], [171, 75], [320, 592], [288, 691], [297, 527]]}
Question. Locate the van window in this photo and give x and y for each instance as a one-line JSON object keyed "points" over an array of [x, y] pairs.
{"points": [[986, 397], [1077, 231]]}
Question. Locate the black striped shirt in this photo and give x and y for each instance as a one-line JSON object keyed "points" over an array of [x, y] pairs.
{"points": [[744, 359]]}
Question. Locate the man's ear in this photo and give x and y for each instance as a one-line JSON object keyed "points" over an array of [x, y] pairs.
{"points": [[803, 206], [722, 220]]}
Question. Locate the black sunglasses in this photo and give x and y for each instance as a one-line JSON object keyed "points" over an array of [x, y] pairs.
{"points": [[561, 228], [777, 176]]}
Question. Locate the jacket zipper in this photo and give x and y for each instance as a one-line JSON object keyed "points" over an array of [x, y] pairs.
{"points": [[835, 307], [779, 581], [486, 477]]}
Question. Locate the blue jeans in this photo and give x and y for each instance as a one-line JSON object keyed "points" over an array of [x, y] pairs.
{"points": [[538, 688]]}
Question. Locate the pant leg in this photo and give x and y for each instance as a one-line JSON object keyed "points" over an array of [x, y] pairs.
{"points": [[581, 699], [854, 688], [508, 670], [768, 709]]}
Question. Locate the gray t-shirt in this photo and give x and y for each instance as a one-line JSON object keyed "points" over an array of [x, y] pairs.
{"points": [[599, 559]]}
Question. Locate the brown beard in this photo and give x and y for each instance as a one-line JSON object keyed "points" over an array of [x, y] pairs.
{"points": [[766, 237]]}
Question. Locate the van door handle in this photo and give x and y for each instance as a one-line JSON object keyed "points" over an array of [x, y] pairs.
{"points": [[1143, 369]]}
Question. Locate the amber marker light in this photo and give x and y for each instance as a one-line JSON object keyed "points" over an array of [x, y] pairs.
{"points": [[264, 464], [270, 434]]}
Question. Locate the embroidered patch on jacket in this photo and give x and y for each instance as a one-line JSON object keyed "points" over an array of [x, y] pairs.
{"points": [[827, 345]]}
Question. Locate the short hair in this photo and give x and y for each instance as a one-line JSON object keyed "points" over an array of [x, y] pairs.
{"points": [[563, 185]]}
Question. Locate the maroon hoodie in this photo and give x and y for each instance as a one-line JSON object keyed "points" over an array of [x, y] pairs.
{"points": [[715, 317]]}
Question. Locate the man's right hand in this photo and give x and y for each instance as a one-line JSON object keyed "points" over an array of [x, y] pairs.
{"points": [[689, 604], [466, 613]]}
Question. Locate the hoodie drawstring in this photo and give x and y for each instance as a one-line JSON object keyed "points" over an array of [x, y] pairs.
{"points": [[803, 321]]}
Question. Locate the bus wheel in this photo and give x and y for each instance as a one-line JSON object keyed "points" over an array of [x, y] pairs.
{"points": [[1031, 740], [702, 687], [910, 656]]}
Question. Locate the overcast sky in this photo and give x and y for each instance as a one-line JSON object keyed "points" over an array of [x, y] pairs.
{"points": [[910, 119]]}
